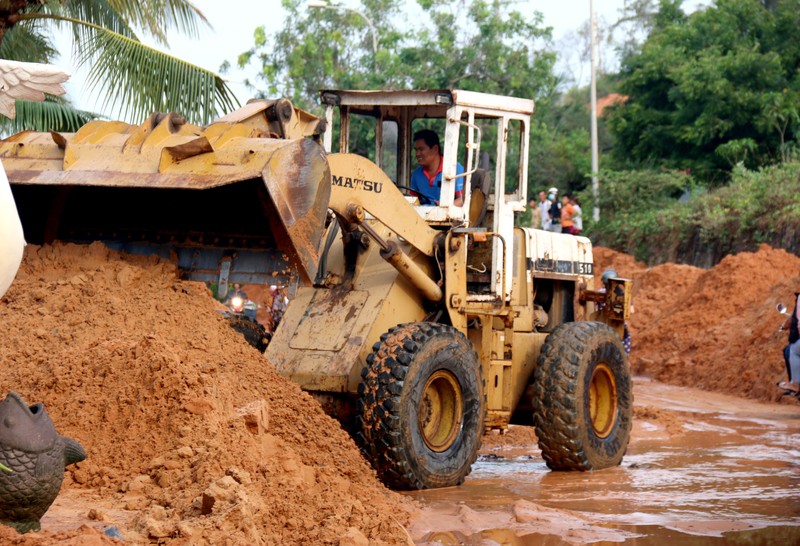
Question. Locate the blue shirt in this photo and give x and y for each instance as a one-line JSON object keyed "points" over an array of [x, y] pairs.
{"points": [[431, 188]]}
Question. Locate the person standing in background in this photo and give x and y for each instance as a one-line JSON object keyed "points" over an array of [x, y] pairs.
{"points": [[577, 217], [544, 211], [567, 214], [792, 386], [536, 219], [555, 210]]}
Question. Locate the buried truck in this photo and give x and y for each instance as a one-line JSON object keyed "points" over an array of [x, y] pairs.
{"points": [[419, 325]]}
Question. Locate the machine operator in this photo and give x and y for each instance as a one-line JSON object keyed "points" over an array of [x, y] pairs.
{"points": [[426, 180]]}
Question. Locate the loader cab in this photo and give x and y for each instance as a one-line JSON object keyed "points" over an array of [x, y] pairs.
{"points": [[486, 134]]}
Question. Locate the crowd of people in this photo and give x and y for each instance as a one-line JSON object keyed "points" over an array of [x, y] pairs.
{"points": [[557, 215]]}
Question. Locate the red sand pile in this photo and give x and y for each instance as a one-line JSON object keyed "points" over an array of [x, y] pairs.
{"points": [[187, 428], [713, 329], [193, 438]]}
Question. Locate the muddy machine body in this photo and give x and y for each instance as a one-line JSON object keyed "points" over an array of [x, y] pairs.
{"points": [[420, 326], [428, 325]]}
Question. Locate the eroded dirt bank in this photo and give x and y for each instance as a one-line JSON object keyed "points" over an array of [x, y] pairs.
{"points": [[714, 329]]}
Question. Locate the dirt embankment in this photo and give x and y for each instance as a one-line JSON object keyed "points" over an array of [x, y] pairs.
{"points": [[715, 329], [192, 437]]}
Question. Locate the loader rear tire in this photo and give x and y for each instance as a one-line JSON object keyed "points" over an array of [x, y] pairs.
{"points": [[421, 406], [582, 398]]}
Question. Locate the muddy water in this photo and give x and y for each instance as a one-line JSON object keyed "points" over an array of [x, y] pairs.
{"points": [[702, 468]]}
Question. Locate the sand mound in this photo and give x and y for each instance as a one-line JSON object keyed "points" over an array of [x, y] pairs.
{"points": [[193, 438], [714, 329], [187, 428]]}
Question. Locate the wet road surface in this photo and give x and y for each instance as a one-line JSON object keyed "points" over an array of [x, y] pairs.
{"points": [[702, 468]]}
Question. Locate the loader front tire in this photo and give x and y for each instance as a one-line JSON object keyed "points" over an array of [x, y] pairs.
{"points": [[421, 406], [582, 398]]}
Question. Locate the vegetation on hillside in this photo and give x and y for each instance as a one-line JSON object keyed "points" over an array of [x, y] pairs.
{"points": [[701, 227]]}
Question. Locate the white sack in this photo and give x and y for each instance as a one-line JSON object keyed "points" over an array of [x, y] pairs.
{"points": [[12, 240]]}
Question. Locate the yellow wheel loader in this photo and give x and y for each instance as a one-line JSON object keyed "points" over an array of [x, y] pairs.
{"points": [[419, 325]]}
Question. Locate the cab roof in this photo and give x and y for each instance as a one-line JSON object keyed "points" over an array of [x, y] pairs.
{"points": [[441, 97]]}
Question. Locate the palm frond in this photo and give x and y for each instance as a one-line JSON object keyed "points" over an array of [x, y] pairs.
{"points": [[52, 115], [94, 12], [140, 80], [27, 43], [100, 13], [156, 16]]}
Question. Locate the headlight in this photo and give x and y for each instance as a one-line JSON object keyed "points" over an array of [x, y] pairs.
{"points": [[236, 302]]}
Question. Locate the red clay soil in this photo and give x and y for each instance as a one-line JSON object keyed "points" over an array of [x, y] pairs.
{"points": [[192, 436], [714, 329]]}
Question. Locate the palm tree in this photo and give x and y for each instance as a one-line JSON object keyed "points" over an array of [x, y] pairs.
{"points": [[133, 78]]}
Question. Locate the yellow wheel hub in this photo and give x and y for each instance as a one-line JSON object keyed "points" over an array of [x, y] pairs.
{"points": [[602, 400], [440, 411]]}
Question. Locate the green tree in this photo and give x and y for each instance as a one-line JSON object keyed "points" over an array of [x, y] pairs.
{"points": [[484, 47], [325, 49], [562, 155], [475, 45], [487, 49], [635, 23], [134, 79], [703, 90]]}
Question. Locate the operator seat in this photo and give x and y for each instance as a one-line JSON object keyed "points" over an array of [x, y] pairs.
{"points": [[479, 196]]}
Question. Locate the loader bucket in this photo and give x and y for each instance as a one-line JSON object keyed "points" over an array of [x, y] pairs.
{"points": [[241, 190]]}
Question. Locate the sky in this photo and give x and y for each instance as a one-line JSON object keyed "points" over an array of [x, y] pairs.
{"points": [[235, 20]]}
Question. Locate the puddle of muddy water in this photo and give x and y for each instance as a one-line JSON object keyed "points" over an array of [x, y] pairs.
{"points": [[731, 476], [644, 536]]}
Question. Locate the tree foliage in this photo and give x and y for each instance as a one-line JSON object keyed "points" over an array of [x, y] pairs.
{"points": [[133, 78], [562, 153], [54, 114], [712, 89], [756, 207], [475, 45]]}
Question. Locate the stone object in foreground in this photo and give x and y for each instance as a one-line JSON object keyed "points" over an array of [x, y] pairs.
{"points": [[33, 455]]}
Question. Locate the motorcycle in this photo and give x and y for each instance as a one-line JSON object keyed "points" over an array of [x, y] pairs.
{"points": [[242, 318], [240, 306]]}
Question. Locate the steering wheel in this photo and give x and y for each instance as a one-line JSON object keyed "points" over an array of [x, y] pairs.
{"points": [[422, 199]]}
